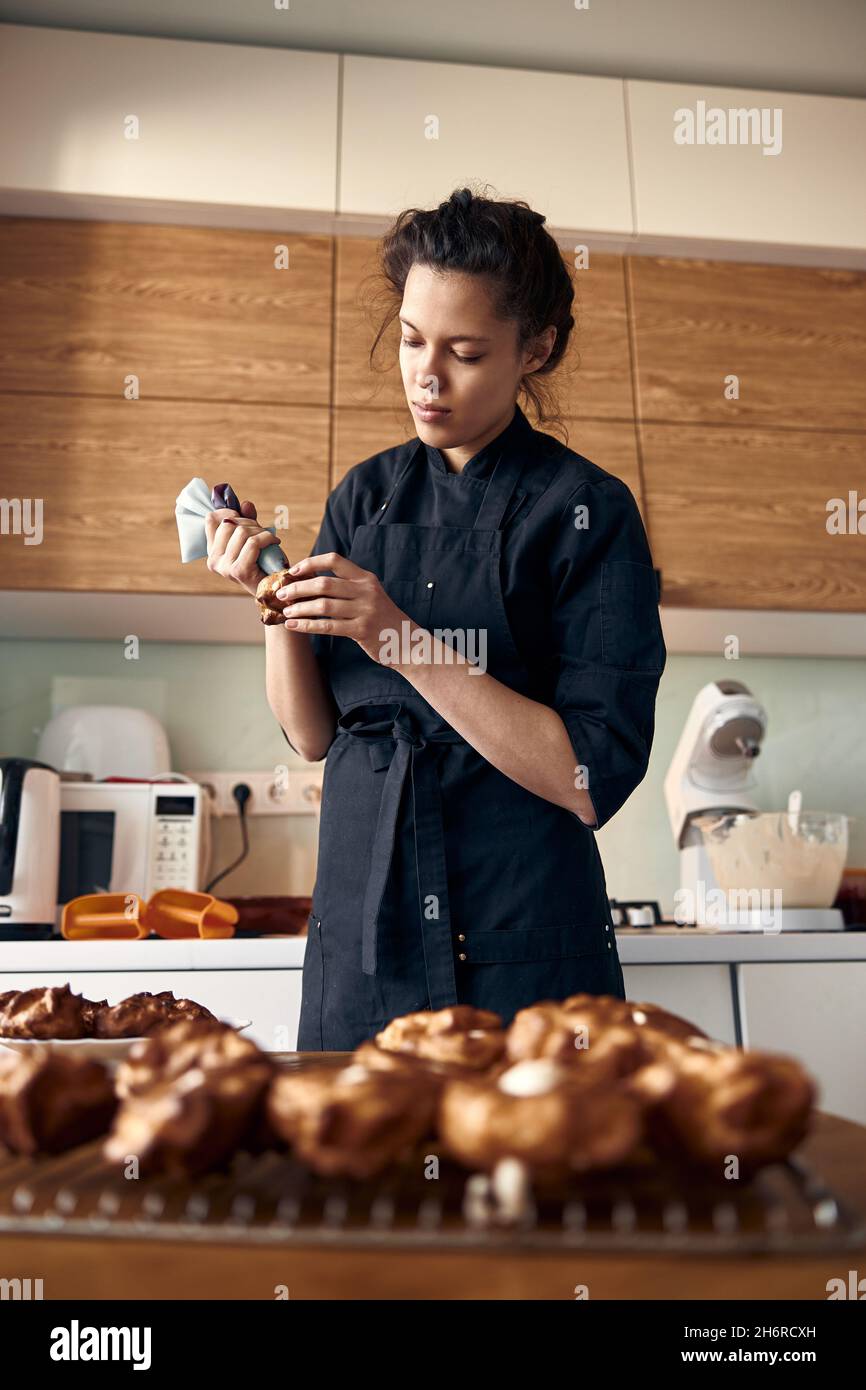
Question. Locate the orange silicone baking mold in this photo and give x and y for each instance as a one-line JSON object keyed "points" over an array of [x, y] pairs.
{"points": [[172, 913]]}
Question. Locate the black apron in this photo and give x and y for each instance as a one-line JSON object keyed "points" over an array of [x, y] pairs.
{"points": [[439, 879]]}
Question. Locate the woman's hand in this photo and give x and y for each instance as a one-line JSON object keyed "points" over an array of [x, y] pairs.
{"points": [[353, 604], [234, 543]]}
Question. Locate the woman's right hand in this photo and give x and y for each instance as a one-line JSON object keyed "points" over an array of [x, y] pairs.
{"points": [[234, 543]]}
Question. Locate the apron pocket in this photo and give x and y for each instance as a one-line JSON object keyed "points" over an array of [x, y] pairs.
{"points": [[534, 943]]}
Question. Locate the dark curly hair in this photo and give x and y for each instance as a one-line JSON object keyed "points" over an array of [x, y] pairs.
{"points": [[504, 241]]}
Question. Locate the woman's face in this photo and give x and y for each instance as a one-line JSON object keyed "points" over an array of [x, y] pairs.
{"points": [[455, 354]]}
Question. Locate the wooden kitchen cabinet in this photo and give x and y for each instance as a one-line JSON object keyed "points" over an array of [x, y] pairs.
{"points": [[109, 471], [738, 517], [262, 377], [194, 313], [231, 365], [792, 336]]}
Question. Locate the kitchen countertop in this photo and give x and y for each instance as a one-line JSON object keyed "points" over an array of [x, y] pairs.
{"points": [[636, 946]]}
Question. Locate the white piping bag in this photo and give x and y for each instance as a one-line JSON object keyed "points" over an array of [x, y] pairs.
{"points": [[192, 506]]}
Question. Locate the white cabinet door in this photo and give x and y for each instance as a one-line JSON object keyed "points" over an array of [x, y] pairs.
{"points": [[216, 122], [815, 1013], [812, 193], [414, 131], [271, 999], [700, 993]]}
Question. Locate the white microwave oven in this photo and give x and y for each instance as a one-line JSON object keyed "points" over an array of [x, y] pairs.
{"points": [[132, 837]]}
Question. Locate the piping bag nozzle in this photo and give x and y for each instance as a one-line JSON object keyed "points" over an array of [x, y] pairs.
{"points": [[192, 506]]}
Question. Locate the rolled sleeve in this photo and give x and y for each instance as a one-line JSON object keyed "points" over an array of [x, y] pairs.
{"points": [[609, 651]]}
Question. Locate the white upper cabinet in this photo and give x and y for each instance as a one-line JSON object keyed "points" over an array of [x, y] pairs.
{"points": [[414, 131], [129, 117], [808, 189]]}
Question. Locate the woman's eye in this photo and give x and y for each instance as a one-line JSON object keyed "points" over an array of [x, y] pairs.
{"points": [[411, 342]]}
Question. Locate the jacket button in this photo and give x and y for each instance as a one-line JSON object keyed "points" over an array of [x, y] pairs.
{"points": [[461, 937], [609, 947], [462, 956], [429, 583]]}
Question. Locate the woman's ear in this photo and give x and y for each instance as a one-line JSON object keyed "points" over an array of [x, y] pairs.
{"points": [[539, 350]]}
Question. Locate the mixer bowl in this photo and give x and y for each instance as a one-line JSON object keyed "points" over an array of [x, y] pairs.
{"points": [[801, 854]]}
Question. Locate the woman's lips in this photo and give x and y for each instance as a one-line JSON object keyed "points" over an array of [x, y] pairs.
{"points": [[430, 414]]}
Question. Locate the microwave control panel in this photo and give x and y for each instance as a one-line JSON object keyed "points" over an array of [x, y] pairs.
{"points": [[174, 845]]}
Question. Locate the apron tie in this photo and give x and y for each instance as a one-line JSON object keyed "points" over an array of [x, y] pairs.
{"points": [[400, 745]]}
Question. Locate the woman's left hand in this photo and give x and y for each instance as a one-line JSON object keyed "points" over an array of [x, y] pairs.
{"points": [[352, 604]]}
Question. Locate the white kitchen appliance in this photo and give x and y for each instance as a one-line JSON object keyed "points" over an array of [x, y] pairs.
{"points": [[709, 794], [105, 741], [29, 810], [132, 837]]}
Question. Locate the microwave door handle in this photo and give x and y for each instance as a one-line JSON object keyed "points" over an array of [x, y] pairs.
{"points": [[10, 818]]}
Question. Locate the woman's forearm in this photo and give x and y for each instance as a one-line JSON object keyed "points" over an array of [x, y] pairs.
{"points": [[525, 740], [297, 693]]}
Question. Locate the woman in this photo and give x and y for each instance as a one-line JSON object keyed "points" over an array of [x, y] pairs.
{"points": [[475, 645]]}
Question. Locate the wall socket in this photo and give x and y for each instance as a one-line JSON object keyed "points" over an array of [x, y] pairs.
{"points": [[281, 792]]}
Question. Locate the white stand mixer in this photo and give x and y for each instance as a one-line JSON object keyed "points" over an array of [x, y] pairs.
{"points": [[711, 774]]}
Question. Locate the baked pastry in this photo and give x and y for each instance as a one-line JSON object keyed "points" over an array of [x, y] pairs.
{"points": [[134, 1017], [461, 1035], [56, 1013], [191, 1094], [142, 1014], [552, 1118], [51, 1101], [180, 1046], [90, 1009], [350, 1120], [610, 1037], [188, 1011], [191, 1124], [53, 1012], [271, 608], [727, 1103], [369, 1054]]}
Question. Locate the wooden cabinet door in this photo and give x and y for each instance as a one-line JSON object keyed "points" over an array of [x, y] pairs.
{"points": [[190, 313], [133, 358], [793, 338], [107, 473], [738, 485], [739, 517]]}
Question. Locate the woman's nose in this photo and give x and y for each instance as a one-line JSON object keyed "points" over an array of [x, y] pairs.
{"points": [[428, 381]]}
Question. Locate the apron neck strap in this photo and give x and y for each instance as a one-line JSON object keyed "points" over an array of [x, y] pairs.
{"points": [[499, 491], [413, 454]]}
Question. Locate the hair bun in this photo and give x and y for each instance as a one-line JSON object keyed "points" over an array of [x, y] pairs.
{"points": [[463, 199]]}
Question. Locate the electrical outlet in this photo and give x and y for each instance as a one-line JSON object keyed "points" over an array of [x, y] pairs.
{"points": [[278, 793]]}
